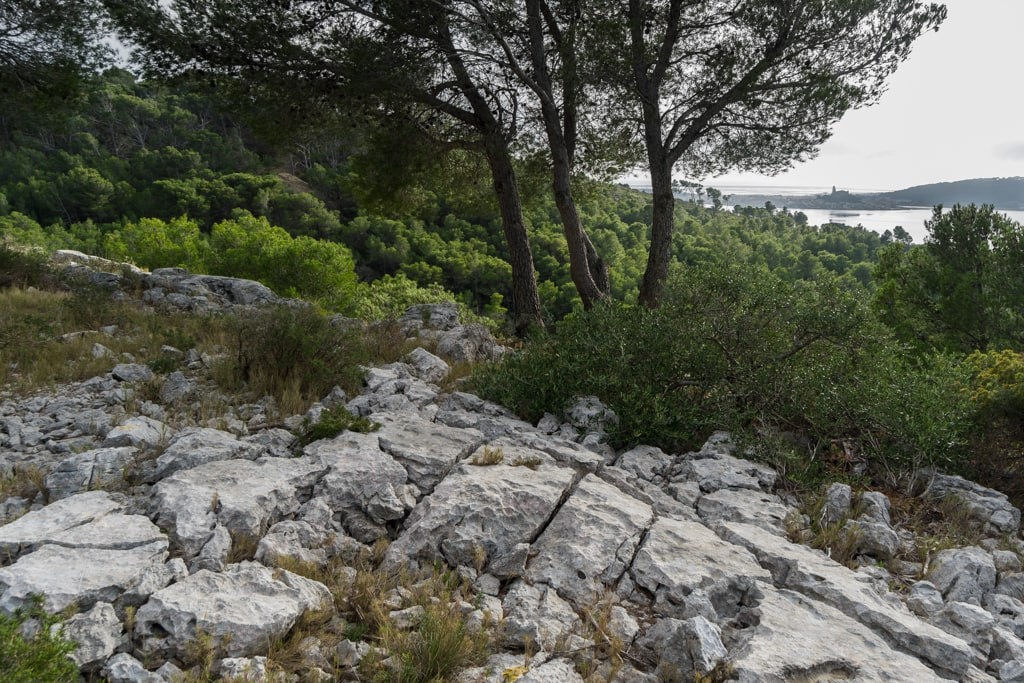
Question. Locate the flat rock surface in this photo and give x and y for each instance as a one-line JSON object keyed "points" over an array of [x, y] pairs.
{"points": [[481, 512], [591, 541], [799, 639], [427, 450], [69, 513], [78, 576], [811, 573]]}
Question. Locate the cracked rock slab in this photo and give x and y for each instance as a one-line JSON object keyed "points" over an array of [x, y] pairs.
{"points": [[800, 639], [79, 576], [590, 542], [481, 512], [427, 450], [680, 557], [40, 525], [813, 574]]}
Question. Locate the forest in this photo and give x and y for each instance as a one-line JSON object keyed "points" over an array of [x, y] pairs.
{"points": [[389, 153]]}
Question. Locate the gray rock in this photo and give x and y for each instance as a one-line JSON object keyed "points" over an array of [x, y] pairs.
{"points": [[791, 637], [39, 525], [691, 645], [78, 576], [176, 387], [89, 471], [427, 366], [198, 446], [295, 540], [360, 477], [139, 431], [1006, 561], [215, 552], [535, 614], [97, 633], [1011, 584], [244, 669], [967, 622], [242, 609], [469, 343], [838, 499], [1009, 612], [646, 462], [925, 599], [678, 557], [442, 316], [123, 668], [744, 505], [875, 507], [811, 573], [588, 414], [131, 372], [963, 574], [590, 542], [1012, 672], [244, 496], [480, 513], [428, 451], [553, 671], [714, 470], [871, 538], [988, 506]]}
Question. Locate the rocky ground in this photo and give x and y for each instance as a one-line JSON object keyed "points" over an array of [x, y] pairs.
{"points": [[627, 566]]}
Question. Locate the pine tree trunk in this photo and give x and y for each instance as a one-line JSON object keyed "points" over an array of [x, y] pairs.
{"points": [[662, 225]]}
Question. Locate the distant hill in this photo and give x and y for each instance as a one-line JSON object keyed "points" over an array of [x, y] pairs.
{"points": [[1003, 193]]}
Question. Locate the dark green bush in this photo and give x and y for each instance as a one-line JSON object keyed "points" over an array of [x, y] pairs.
{"points": [[36, 658], [736, 347], [24, 268], [333, 422], [294, 354]]}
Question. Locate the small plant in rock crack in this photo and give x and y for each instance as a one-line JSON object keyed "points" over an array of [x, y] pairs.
{"points": [[488, 455], [333, 422]]}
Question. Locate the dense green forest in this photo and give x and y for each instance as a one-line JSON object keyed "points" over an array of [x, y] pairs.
{"points": [[161, 176]]}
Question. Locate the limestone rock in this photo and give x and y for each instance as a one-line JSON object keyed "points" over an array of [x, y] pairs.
{"points": [[963, 574], [40, 525], [680, 557], [123, 668], [480, 513], [872, 538], [925, 599], [427, 366], [691, 645], [469, 343], [811, 573], [97, 634], [242, 608], [78, 576], [751, 506], [988, 506], [838, 498], [428, 451], [646, 462], [536, 614], [89, 471], [553, 671], [194, 447], [131, 372], [244, 496], [793, 638], [442, 316], [140, 431], [590, 542]]}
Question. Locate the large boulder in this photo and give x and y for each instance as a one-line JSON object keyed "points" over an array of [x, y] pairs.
{"points": [[244, 496], [242, 609], [428, 451], [989, 507]]}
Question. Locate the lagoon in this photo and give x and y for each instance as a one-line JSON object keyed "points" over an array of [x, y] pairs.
{"points": [[911, 219]]}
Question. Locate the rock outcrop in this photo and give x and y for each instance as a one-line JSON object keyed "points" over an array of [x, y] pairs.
{"points": [[686, 557]]}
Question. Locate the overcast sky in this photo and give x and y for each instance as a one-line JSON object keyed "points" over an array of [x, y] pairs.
{"points": [[953, 110]]}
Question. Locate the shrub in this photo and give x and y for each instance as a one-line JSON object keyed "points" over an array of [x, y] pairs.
{"points": [[30, 653], [333, 422], [153, 243], [294, 354], [24, 268], [735, 347]]}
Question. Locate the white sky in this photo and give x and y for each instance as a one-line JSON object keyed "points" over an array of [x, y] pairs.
{"points": [[953, 110]]}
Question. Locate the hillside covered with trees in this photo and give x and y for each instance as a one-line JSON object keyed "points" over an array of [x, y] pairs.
{"points": [[370, 155]]}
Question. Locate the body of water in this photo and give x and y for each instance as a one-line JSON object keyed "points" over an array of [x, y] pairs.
{"points": [[912, 220]]}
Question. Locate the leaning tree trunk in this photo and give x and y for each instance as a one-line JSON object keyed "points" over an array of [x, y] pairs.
{"points": [[526, 309], [588, 270]]}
